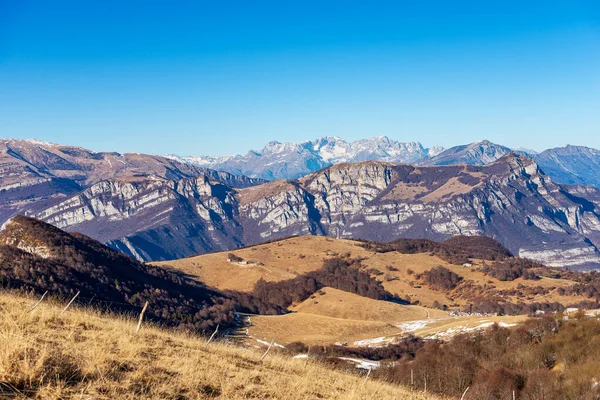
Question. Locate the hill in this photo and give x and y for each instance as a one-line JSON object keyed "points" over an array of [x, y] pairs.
{"points": [[85, 354], [37, 257], [398, 265], [438, 307], [330, 302]]}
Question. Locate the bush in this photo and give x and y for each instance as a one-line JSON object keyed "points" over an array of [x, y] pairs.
{"points": [[233, 258], [440, 278], [495, 362]]}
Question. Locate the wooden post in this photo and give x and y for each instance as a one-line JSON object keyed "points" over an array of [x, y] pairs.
{"points": [[464, 394], [268, 349], [40, 300], [139, 325], [213, 335], [412, 383], [307, 357], [68, 305], [367, 377]]}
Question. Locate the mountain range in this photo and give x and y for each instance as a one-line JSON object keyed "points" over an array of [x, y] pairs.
{"points": [[156, 208], [293, 160], [568, 165], [35, 173]]}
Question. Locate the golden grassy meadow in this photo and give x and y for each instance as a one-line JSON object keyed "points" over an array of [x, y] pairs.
{"points": [[84, 354]]}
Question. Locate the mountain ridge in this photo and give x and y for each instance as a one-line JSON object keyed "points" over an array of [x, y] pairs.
{"points": [[292, 160], [511, 200]]}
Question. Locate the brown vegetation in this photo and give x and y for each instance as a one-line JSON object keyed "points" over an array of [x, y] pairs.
{"points": [[440, 278], [106, 278], [338, 273], [88, 355], [543, 358], [512, 268], [456, 250]]}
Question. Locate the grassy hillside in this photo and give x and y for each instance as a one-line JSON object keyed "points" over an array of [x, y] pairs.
{"points": [[336, 303], [273, 262], [86, 355], [314, 329], [397, 270]]}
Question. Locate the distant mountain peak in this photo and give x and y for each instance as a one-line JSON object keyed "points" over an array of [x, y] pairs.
{"points": [[290, 160]]}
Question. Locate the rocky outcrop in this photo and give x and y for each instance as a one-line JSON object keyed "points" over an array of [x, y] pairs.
{"points": [[511, 200], [152, 219]]}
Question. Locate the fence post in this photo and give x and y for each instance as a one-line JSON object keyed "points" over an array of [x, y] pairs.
{"points": [[268, 349], [213, 335], [39, 301], [464, 394], [367, 377], [139, 325], [71, 302]]}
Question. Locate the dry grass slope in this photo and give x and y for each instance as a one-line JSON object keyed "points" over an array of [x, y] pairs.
{"points": [[86, 355], [336, 303], [316, 329], [295, 256]]}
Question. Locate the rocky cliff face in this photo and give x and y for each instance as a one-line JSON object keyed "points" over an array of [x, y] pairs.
{"points": [[511, 200], [35, 174], [153, 219]]}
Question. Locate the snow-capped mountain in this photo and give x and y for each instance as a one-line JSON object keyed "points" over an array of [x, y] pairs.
{"points": [[478, 153], [293, 160]]}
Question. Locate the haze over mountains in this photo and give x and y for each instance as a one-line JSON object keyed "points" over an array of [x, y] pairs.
{"points": [[155, 208]]}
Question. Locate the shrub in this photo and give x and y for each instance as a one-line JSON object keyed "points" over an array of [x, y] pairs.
{"points": [[440, 278]]}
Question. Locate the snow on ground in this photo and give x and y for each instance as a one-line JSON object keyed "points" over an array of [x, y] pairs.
{"points": [[375, 342], [268, 343], [414, 325], [5, 224], [363, 364], [449, 333], [40, 142]]}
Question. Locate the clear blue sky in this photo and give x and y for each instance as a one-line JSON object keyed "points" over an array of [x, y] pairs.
{"points": [[220, 77]]}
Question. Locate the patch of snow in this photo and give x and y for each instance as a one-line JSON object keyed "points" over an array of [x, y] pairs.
{"points": [[268, 343], [381, 341], [414, 325], [40, 142], [362, 364], [5, 224], [451, 332]]}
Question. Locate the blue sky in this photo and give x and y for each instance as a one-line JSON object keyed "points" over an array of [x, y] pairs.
{"points": [[221, 77]]}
